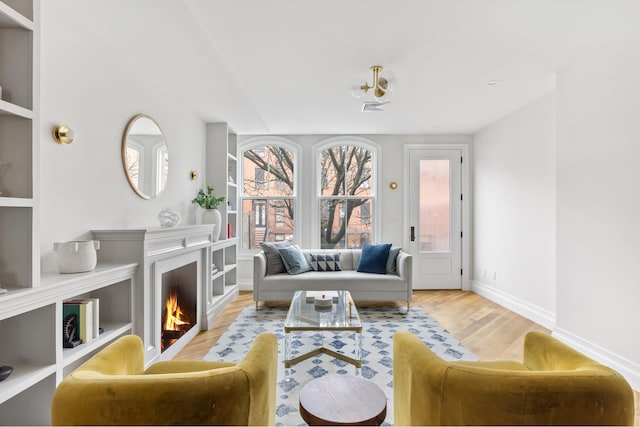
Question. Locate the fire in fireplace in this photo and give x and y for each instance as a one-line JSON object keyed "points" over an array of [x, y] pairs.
{"points": [[179, 313], [176, 322]]}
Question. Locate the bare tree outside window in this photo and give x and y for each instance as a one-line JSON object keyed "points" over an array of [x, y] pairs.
{"points": [[346, 176], [268, 195], [346, 185]]}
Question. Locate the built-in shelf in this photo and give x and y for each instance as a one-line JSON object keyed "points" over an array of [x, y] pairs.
{"points": [[31, 333], [19, 144], [16, 202], [222, 172], [111, 332], [9, 109], [24, 375], [11, 19]]}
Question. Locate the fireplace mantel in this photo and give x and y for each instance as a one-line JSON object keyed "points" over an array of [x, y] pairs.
{"points": [[157, 250]]}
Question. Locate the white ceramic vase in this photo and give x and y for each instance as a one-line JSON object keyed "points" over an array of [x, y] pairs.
{"points": [[77, 256], [213, 216]]}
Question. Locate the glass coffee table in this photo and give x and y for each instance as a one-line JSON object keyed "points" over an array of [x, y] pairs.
{"points": [[304, 316]]}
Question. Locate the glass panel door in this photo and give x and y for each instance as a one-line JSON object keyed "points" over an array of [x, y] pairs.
{"points": [[435, 206]]}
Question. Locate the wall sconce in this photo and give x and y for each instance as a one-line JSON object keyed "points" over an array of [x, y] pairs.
{"points": [[63, 134], [193, 175]]}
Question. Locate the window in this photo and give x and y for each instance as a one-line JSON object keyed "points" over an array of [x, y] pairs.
{"points": [[280, 217], [260, 208], [346, 196], [365, 213], [268, 193], [259, 180]]}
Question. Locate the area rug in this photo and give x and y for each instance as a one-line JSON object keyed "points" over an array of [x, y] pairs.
{"points": [[379, 324]]}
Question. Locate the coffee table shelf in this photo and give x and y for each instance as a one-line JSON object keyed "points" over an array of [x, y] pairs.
{"points": [[304, 316]]}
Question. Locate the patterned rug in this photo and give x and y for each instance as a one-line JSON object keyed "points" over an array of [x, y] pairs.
{"points": [[378, 326]]}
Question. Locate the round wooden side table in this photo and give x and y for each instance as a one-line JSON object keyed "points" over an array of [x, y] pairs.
{"points": [[342, 400]]}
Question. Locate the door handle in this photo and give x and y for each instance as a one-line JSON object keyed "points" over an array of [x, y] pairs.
{"points": [[413, 233]]}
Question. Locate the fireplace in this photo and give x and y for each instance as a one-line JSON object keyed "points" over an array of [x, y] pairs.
{"points": [[179, 303]]}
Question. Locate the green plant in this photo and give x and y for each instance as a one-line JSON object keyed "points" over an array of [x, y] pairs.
{"points": [[208, 200]]}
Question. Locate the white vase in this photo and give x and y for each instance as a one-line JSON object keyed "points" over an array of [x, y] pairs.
{"points": [[213, 216], [76, 256]]}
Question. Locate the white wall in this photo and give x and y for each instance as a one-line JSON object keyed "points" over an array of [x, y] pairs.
{"points": [[514, 221], [598, 102], [392, 201], [89, 85]]}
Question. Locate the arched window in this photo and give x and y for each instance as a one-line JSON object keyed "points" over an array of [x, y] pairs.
{"points": [[268, 195], [346, 168]]}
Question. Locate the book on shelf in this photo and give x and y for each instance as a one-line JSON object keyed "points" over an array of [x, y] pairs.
{"points": [[87, 311], [69, 309], [96, 316]]}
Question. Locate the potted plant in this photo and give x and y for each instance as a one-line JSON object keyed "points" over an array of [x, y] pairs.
{"points": [[211, 215]]}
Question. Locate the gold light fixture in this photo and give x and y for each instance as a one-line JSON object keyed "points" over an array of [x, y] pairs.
{"points": [[63, 134], [380, 87]]}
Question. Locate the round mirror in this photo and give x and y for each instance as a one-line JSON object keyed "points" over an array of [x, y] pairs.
{"points": [[145, 156]]}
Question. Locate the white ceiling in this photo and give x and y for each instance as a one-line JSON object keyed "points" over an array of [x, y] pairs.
{"points": [[286, 66]]}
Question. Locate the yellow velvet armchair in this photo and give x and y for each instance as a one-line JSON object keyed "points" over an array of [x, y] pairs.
{"points": [[112, 388], [555, 385]]}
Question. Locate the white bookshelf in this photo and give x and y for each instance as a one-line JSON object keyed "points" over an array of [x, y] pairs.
{"points": [[19, 143], [222, 174], [31, 335]]}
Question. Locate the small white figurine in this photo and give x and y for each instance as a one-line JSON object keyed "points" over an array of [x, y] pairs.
{"points": [[168, 218]]}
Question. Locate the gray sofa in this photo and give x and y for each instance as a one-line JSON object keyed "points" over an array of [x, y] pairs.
{"points": [[362, 286]]}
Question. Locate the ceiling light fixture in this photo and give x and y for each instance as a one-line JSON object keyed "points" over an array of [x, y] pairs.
{"points": [[380, 87]]}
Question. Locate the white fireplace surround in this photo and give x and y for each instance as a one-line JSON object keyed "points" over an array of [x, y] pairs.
{"points": [[159, 250]]}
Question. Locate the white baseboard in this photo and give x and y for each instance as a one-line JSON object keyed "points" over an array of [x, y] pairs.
{"points": [[625, 367], [245, 285], [532, 312]]}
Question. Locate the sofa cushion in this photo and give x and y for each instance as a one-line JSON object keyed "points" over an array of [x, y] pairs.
{"points": [[325, 261], [274, 260], [373, 258], [366, 285], [293, 259], [391, 260]]}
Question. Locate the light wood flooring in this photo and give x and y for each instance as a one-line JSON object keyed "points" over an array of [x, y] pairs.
{"points": [[489, 330]]}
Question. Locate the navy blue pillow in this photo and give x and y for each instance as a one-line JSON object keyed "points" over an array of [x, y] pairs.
{"points": [[374, 258]]}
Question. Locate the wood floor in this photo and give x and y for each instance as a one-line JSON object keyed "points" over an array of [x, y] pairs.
{"points": [[489, 330]]}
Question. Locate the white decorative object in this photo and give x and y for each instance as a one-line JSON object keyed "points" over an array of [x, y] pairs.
{"points": [[213, 216], [168, 218], [323, 301], [77, 256]]}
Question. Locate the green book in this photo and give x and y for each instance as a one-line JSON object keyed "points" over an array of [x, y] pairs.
{"points": [[67, 309], [85, 319]]}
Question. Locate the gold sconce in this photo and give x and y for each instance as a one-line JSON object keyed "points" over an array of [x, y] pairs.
{"points": [[63, 134], [194, 175]]}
